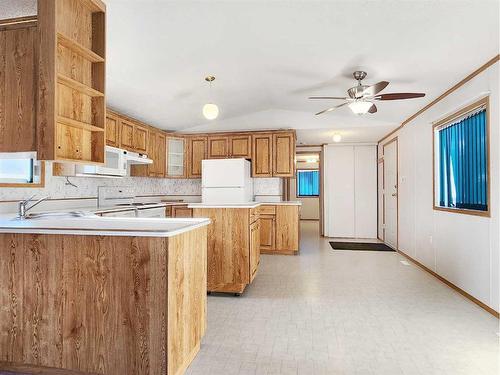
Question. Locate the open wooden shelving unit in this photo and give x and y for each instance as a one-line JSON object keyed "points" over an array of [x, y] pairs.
{"points": [[71, 102]]}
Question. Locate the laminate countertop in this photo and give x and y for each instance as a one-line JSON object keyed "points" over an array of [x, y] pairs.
{"points": [[243, 205], [93, 225]]}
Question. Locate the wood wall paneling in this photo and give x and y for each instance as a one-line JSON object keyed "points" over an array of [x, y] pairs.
{"points": [[18, 70]]}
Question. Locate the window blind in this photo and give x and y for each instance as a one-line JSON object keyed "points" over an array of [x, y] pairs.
{"points": [[463, 163]]}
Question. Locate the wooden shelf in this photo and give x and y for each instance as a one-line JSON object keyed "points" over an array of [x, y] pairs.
{"points": [[95, 5], [78, 48], [78, 124], [78, 86]]}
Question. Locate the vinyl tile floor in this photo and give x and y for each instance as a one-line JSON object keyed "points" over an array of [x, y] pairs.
{"points": [[346, 312]]}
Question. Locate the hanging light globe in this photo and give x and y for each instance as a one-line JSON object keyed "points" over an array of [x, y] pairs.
{"points": [[210, 111]]}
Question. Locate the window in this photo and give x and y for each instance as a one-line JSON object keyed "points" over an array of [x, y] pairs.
{"points": [[20, 169], [308, 183], [462, 170]]}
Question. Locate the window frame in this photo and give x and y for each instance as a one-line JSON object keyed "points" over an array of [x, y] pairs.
{"points": [[297, 183], [39, 184], [485, 101]]}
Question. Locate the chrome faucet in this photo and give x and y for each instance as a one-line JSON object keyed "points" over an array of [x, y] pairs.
{"points": [[23, 207]]}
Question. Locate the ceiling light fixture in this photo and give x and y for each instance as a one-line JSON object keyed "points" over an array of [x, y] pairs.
{"points": [[337, 138], [360, 107], [210, 110]]}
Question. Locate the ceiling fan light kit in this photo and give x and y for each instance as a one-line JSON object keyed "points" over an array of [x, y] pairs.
{"points": [[360, 107], [210, 110], [360, 97]]}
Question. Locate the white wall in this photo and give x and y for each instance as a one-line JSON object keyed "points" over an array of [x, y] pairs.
{"points": [[464, 249], [310, 205], [350, 191]]}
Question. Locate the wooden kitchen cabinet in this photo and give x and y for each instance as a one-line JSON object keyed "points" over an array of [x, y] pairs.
{"points": [[112, 130], [176, 157], [182, 211], [70, 111], [127, 135], [197, 151], [262, 156], [157, 152], [133, 135], [240, 146], [218, 147], [254, 248], [283, 154], [140, 139], [267, 232], [279, 229]]}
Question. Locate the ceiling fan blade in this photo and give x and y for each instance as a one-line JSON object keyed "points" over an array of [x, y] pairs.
{"points": [[372, 109], [327, 97], [331, 109], [375, 89], [400, 95]]}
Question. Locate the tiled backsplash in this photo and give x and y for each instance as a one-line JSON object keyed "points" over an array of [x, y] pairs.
{"points": [[56, 187]]}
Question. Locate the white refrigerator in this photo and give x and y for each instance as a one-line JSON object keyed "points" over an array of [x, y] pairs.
{"points": [[226, 181]]}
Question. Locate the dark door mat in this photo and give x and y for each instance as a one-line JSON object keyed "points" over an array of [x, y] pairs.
{"points": [[362, 246]]}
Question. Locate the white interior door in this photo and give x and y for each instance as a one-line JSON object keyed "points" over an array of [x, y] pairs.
{"points": [[391, 194]]}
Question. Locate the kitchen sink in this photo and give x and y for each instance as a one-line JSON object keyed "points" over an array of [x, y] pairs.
{"points": [[57, 215]]}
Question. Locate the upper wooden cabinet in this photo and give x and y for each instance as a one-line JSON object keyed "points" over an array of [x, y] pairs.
{"points": [[262, 157], [71, 81], [18, 66], [140, 139], [112, 130], [240, 146], [127, 135], [283, 154], [157, 152], [218, 147], [176, 160], [196, 151]]}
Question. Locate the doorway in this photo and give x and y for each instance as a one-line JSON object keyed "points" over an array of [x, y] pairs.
{"points": [[390, 186], [306, 185]]}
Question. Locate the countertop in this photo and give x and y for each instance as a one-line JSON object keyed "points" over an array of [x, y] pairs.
{"points": [[93, 225], [244, 205]]}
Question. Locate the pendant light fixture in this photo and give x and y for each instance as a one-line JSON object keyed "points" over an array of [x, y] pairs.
{"points": [[210, 110]]}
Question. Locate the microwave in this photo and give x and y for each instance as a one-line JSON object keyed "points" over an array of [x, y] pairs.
{"points": [[115, 165]]}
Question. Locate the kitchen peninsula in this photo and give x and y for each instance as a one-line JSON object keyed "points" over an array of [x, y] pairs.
{"points": [[102, 295]]}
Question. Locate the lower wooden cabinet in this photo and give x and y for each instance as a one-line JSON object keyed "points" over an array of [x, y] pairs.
{"points": [[279, 229], [182, 211], [254, 248]]}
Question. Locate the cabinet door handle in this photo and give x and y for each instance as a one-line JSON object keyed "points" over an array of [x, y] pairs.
{"points": [[394, 194]]}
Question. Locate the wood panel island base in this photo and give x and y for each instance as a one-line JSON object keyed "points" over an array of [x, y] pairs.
{"points": [[233, 245], [104, 304]]}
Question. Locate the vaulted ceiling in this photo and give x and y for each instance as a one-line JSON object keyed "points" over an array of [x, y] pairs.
{"points": [[269, 56]]}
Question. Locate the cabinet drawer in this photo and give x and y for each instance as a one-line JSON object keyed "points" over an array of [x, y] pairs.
{"points": [[267, 210]]}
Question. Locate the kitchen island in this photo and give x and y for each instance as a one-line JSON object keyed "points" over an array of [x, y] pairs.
{"points": [[102, 295], [233, 245]]}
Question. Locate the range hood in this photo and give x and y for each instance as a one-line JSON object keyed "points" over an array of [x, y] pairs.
{"points": [[134, 158]]}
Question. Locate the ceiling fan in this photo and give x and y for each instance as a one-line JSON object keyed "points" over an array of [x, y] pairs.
{"points": [[361, 97]]}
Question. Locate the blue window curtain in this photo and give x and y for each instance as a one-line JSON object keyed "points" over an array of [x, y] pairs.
{"points": [[307, 183], [463, 177]]}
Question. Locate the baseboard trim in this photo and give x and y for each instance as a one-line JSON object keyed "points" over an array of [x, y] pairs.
{"points": [[452, 286]]}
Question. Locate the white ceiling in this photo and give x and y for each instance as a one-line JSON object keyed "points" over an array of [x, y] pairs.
{"points": [[269, 56]]}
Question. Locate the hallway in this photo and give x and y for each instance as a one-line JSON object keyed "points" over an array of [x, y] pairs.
{"points": [[346, 312]]}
